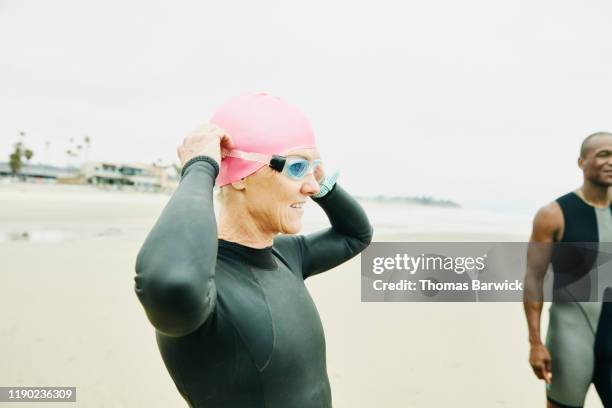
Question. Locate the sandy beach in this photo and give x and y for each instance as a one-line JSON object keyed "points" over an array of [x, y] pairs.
{"points": [[70, 316]]}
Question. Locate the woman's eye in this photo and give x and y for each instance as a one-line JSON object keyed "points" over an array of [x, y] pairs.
{"points": [[298, 167]]}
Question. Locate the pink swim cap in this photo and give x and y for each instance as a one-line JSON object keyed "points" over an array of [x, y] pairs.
{"points": [[260, 123]]}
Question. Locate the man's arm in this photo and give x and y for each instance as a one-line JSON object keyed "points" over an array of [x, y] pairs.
{"points": [[547, 226]]}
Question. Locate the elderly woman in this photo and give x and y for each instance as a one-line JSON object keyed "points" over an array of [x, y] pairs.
{"points": [[235, 324]]}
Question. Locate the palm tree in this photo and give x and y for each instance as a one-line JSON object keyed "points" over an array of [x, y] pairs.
{"points": [[15, 162], [16, 157], [77, 149]]}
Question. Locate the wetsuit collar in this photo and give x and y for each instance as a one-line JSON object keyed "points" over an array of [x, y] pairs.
{"points": [[580, 194], [258, 257]]}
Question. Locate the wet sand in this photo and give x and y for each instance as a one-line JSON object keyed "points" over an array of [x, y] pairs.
{"points": [[70, 317]]}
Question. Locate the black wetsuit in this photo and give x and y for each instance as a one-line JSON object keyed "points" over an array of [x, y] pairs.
{"points": [[236, 326]]}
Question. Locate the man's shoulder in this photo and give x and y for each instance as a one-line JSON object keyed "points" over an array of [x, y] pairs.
{"points": [[548, 222], [550, 212], [553, 211]]}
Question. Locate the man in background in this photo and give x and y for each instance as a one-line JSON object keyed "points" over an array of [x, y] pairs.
{"points": [[578, 349]]}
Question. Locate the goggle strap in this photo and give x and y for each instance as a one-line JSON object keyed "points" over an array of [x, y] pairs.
{"points": [[239, 154], [276, 162]]}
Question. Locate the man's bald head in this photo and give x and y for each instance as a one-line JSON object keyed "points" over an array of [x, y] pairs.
{"points": [[588, 142], [595, 159]]}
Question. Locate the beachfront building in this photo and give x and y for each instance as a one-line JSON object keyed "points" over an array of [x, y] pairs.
{"points": [[40, 173], [140, 176], [137, 176], [101, 173]]}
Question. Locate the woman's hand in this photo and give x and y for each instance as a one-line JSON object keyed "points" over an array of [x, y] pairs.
{"points": [[207, 140]]}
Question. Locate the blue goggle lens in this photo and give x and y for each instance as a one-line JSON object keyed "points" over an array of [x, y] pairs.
{"points": [[298, 168]]}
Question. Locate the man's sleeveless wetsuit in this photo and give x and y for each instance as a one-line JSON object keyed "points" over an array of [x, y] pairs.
{"points": [[236, 326], [579, 334]]}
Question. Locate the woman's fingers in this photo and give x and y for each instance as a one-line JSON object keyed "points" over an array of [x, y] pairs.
{"points": [[207, 140], [227, 142]]}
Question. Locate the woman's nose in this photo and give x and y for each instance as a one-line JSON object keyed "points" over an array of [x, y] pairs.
{"points": [[310, 186]]}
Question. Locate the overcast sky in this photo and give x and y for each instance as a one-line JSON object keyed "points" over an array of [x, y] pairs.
{"points": [[482, 102]]}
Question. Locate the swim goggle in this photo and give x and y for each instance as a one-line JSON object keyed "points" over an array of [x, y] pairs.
{"points": [[294, 167]]}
